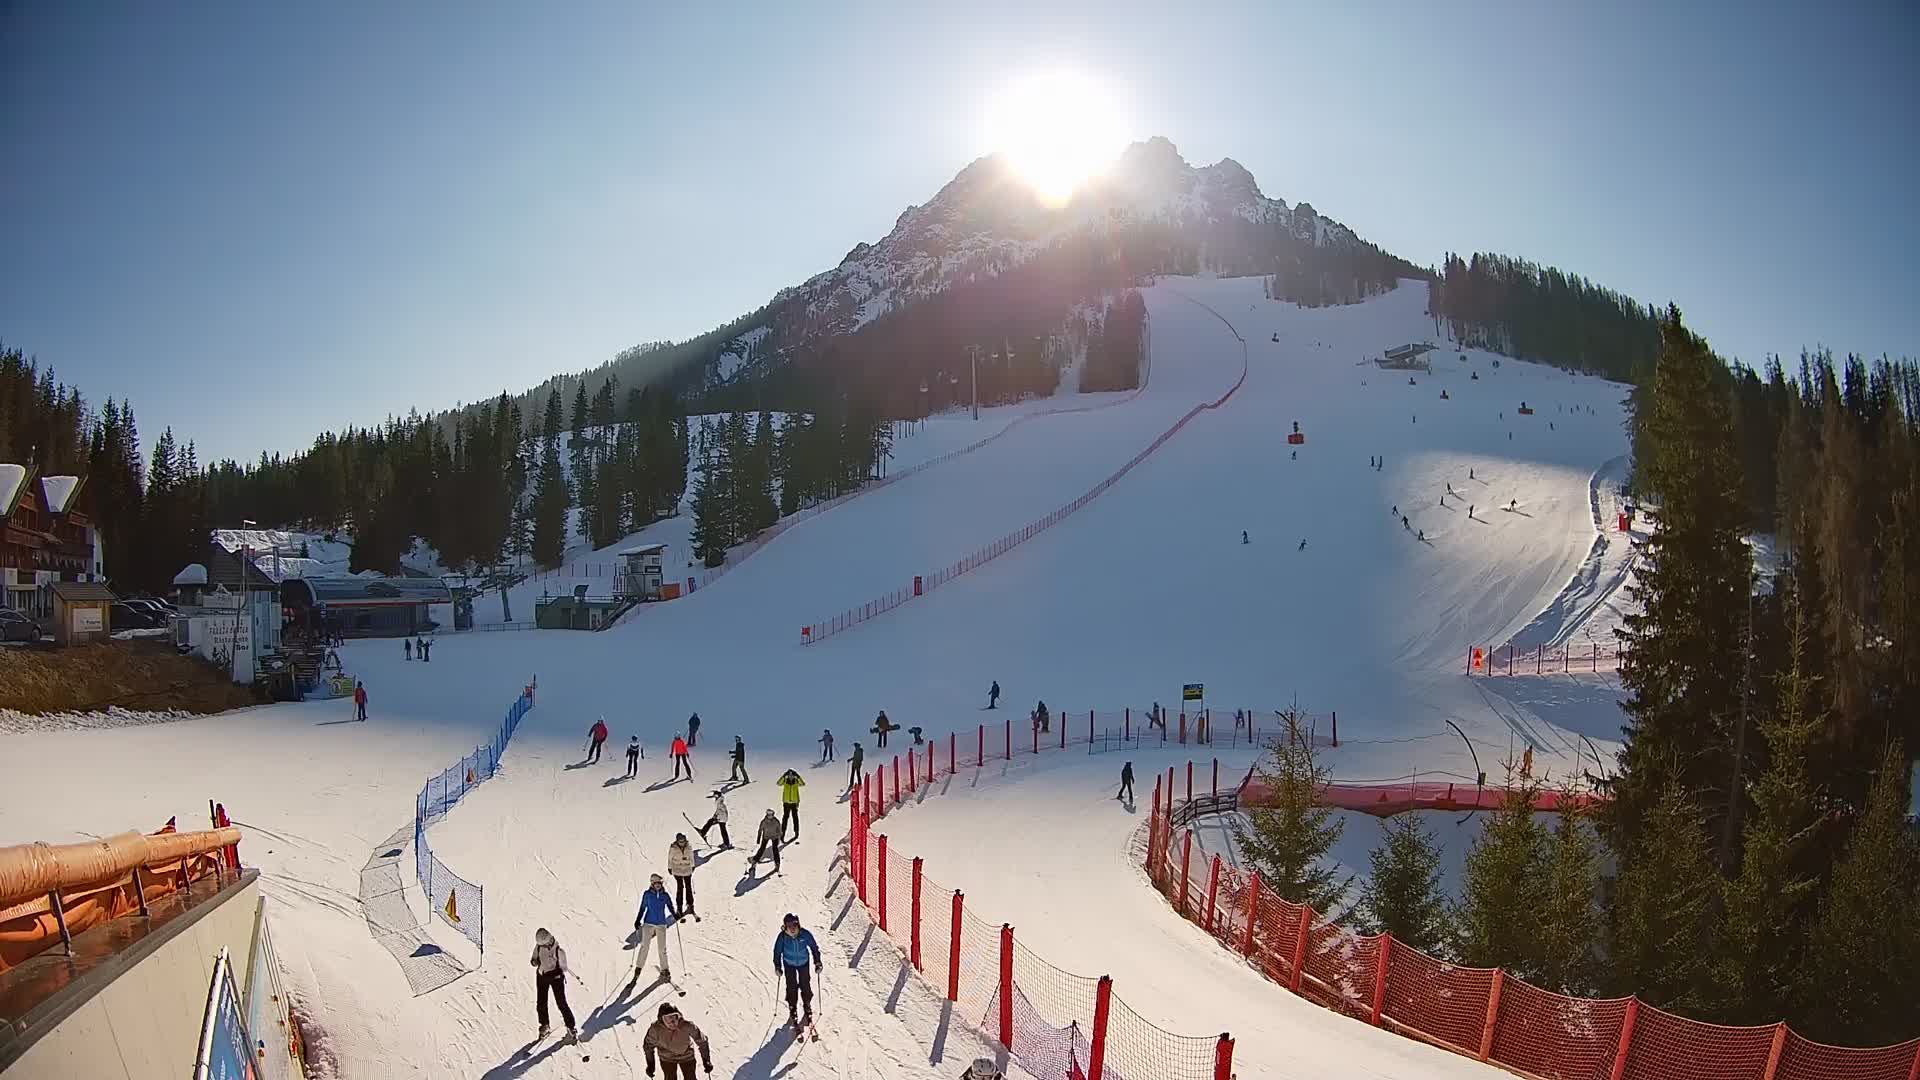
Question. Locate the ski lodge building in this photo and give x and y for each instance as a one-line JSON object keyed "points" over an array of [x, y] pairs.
{"points": [[46, 536]]}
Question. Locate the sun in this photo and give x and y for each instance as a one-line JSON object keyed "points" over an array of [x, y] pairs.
{"points": [[1057, 129]]}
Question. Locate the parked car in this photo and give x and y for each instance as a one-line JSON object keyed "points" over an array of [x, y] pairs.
{"points": [[17, 627], [155, 610], [127, 617]]}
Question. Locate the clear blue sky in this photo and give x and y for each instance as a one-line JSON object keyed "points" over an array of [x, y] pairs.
{"points": [[258, 221]]}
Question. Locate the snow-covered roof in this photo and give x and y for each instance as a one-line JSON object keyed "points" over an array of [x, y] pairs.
{"points": [[257, 539], [11, 477], [191, 574], [286, 568], [643, 549], [59, 492]]}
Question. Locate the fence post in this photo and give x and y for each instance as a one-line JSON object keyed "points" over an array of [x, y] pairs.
{"points": [[1626, 1039], [917, 965], [1773, 1054], [913, 770], [1380, 976], [1223, 1058], [1036, 738], [1009, 738], [980, 754], [953, 949], [1006, 986], [1493, 1013], [1189, 781], [1300, 949], [1213, 891], [1253, 913], [1183, 727], [896, 779], [1336, 728], [1186, 860], [1091, 714], [1216, 776], [1063, 728], [1102, 1003], [883, 882], [1126, 724]]}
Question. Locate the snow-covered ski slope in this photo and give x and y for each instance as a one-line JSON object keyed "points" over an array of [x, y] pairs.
{"points": [[1146, 588]]}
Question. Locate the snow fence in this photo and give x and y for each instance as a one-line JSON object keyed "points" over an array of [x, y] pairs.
{"points": [[1057, 1024], [1541, 660], [1482, 1013], [460, 903]]}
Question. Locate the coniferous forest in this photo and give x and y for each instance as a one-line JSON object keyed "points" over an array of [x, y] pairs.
{"points": [[1759, 861]]}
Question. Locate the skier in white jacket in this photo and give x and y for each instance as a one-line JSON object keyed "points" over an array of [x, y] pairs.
{"points": [[680, 865], [719, 818], [550, 974]]}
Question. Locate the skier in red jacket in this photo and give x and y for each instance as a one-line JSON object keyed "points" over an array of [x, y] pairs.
{"points": [[597, 735], [681, 759]]}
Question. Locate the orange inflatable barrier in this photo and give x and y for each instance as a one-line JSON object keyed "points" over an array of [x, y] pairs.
{"points": [[98, 881]]}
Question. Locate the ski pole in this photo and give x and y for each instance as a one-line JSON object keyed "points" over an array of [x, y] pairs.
{"points": [[683, 945]]}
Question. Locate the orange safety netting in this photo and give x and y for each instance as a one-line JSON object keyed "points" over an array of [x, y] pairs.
{"points": [[1480, 1012]]}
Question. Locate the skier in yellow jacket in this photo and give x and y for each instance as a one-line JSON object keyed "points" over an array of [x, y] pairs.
{"points": [[790, 785]]}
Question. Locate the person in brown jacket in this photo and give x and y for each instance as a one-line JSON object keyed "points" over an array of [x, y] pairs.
{"points": [[673, 1037]]}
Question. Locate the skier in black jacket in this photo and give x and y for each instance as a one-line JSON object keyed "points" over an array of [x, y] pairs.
{"points": [[740, 761], [853, 774]]}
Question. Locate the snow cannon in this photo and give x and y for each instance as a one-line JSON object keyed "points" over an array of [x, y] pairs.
{"points": [[1525, 409], [1296, 438]]}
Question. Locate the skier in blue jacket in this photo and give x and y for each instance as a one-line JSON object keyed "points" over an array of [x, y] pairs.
{"points": [[656, 914], [791, 947]]}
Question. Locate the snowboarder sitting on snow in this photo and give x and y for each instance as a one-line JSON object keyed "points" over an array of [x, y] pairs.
{"points": [[550, 976], [853, 774], [673, 1038], [596, 735], [681, 759], [719, 818], [633, 755], [790, 951], [790, 785], [770, 833], [740, 761], [993, 695], [919, 739], [882, 725], [656, 914], [680, 865]]}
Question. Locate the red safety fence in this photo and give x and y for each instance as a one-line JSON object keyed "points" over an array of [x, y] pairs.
{"points": [[1057, 1024], [1482, 1013], [925, 583], [1541, 660]]}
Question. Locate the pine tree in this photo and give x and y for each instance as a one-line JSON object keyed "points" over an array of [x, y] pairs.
{"points": [[1862, 971], [585, 477], [1684, 648], [550, 499], [1662, 913], [711, 515], [1402, 895], [1766, 906], [1569, 922], [1504, 887], [1287, 840]]}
